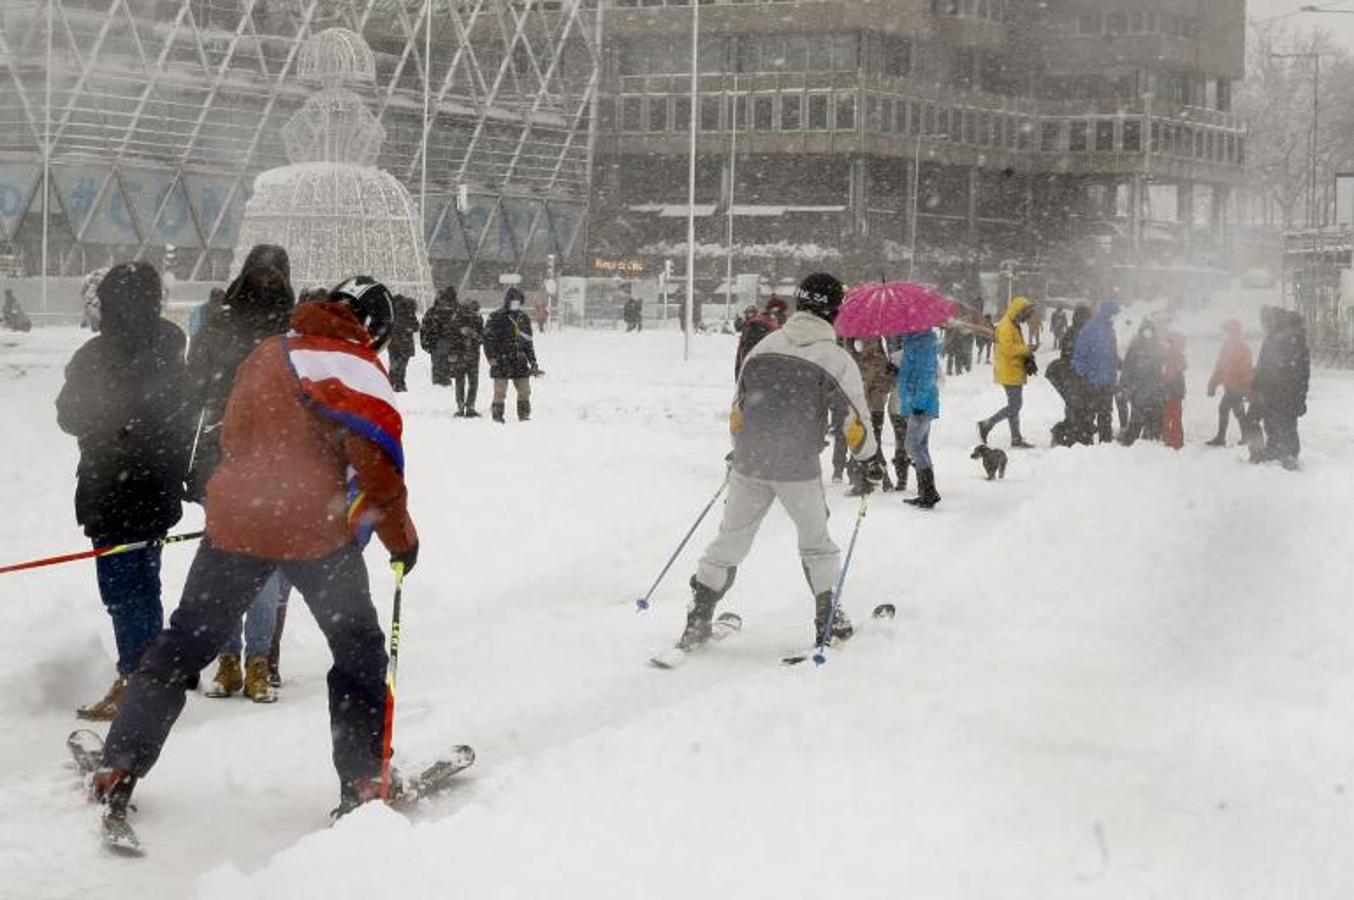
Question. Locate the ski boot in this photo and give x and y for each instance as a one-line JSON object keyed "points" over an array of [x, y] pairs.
{"points": [[841, 627], [257, 686], [700, 615], [228, 679], [106, 709]]}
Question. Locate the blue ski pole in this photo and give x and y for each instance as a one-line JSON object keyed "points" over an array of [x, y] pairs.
{"points": [[820, 655], [643, 602]]}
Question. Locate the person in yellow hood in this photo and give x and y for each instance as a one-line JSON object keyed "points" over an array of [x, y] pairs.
{"points": [[1009, 370]]}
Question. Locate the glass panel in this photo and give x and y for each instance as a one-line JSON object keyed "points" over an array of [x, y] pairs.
{"points": [[791, 111], [846, 112], [818, 104], [710, 107], [632, 111], [658, 113], [1078, 137], [762, 112]]}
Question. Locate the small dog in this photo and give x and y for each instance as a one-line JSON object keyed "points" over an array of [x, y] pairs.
{"points": [[994, 460]]}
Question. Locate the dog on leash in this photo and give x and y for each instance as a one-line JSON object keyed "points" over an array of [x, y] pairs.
{"points": [[994, 460]]}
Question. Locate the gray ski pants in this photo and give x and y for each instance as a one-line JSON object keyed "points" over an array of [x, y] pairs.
{"points": [[748, 502]]}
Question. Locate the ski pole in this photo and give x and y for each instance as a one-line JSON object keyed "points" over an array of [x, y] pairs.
{"points": [[820, 655], [388, 735], [643, 602], [111, 550]]}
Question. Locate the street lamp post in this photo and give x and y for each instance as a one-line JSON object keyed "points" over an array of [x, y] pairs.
{"points": [[916, 189], [1314, 219], [688, 312]]}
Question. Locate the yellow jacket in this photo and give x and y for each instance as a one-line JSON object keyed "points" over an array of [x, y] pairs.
{"points": [[1008, 360]]}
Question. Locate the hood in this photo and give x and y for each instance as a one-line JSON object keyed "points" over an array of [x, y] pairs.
{"points": [[1015, 308], [446, 297], [265, 310], [513, 294], [1108, 309], [129, 302], [805, 328], [322, 318]]}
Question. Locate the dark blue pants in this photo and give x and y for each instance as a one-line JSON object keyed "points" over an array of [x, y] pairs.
{"points": [[129, 584], [1015, 399], [220, 587]]}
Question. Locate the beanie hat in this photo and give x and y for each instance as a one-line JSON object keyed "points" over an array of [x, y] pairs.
{"points": [[819, 294]]}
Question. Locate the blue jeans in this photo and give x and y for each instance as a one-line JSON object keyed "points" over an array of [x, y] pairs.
{"points": [[1015, 398], [260, 619], [129, 584], [918, 440]]}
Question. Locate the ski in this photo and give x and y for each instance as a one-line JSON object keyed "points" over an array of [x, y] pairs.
{"points": [[86, 749], [435, 778], [724, 626], [883, 611]]}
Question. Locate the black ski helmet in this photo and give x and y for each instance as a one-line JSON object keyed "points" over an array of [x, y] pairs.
{"points": [[373, 305], [819, 294]]}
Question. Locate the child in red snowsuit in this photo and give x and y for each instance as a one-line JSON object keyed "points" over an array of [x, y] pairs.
{"points": [[1173, 370]]}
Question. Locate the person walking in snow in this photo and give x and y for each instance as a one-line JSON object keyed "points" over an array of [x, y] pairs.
{"points": [[435, 335], [293, 453], [1011, 369], [452, 334], [1279, 390], [511, 351], [1143, 385], [1059, 326], [879, 375], [780, 413], [125, 400], [756, 326], [1234, 373], [984, 338], [1173, 382], [255, 307], [402, 340], [1095, 359], [918, 398]]}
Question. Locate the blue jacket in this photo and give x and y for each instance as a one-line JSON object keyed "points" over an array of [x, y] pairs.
{"points": [[1096, 358], [917, 390]]}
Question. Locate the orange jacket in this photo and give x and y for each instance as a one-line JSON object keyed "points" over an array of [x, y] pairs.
{"points": [[280, 491], [1235, 369]]}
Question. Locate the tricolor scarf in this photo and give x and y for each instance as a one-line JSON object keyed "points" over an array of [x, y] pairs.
{"points": [[346, 382]]}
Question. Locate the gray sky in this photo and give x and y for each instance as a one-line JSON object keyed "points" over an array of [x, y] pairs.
{"points": [[1341, 27]]}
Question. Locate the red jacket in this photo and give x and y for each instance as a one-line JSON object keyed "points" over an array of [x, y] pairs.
{"points": [[280, 491], [1235, 369]]}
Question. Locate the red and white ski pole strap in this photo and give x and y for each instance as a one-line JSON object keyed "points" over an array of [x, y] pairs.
{"points": [[111, 550]]}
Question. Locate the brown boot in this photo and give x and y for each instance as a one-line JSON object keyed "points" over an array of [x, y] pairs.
{"points": [[105, 710], [229, 679], [256, 684]]}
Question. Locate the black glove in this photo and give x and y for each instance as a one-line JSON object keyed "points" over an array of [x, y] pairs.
{"points": [[408, 558]]}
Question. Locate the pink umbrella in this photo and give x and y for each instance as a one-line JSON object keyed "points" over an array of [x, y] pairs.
{"points": [[880, 309]]}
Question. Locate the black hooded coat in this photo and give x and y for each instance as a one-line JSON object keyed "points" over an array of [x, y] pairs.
{"points": [[1284, 366], [125, 402], [508, 341]]}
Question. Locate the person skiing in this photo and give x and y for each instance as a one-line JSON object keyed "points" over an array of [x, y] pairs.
{"points": [[756, 326], [1143, 385], [312, 461], [125, 402], [402, 345], [1279, 389], [1173, 391], [1011, 370], [780, 413], [1233, 372], [1095, 359], [918, 398], [511, 351], [255, 307]]}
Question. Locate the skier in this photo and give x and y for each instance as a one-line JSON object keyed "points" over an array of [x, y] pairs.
{"points": [[1173, 392], [1143, 385], [1095, 358], [780, 414], [756, 326], [1234, 373], [402, 339], [1279, 393], [511, 351], [255, 307], [308, 408], [919, 399], [124, 400], [1011, 370]]}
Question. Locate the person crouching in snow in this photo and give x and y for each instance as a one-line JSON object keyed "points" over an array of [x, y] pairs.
{"points": [[1234, 372], [1173, 372], [787, 388], [125, 400], [919, 400], [311, 460]]}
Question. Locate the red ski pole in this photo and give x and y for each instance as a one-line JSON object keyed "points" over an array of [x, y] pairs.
{"points": [[387, 738], [111, 550]]}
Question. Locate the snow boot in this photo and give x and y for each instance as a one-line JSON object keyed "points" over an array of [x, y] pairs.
{"points": [[700, 613], [855, 471], [496, 410], [927, 497], [228, 679], [459, 414], [900, 465], [472, 413], [106, 709], [256, 683], [1218, 441], [841, 625], [360, 791], [524, 410], [113, 788]]}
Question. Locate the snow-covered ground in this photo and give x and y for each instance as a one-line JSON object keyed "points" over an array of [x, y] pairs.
{"points": [[1120, 673]]}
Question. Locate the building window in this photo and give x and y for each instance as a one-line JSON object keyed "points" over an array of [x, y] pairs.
{"points": [[1050, 138], [1117, 23], [846, 112], [1132, 135], [658, 113], [796, 54], [845, 57], [1104, 136], [791, 111], [763, 112], [819, 57], [818, 104], [1025, 134], [710, 107], [874, 115], [632, 113], [1078, 140], [1088, 23]]}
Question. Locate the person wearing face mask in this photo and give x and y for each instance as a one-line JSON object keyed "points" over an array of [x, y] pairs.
{"points": [[511, 351], [1010, 369]]}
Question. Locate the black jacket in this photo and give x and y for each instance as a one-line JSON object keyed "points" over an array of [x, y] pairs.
{"points": [[509, 345], [452, 335], [406, 323], [127, 407], [1284, 366], [1142, 377]]}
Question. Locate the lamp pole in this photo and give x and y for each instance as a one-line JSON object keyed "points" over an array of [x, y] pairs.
{"points": [[916, 189], [688, 312], [733, 174], [1314, 219]]}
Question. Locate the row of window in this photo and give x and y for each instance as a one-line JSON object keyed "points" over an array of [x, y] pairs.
{"points": [[1140, 21], [796, 111], [769, 53], [987, 10]]}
